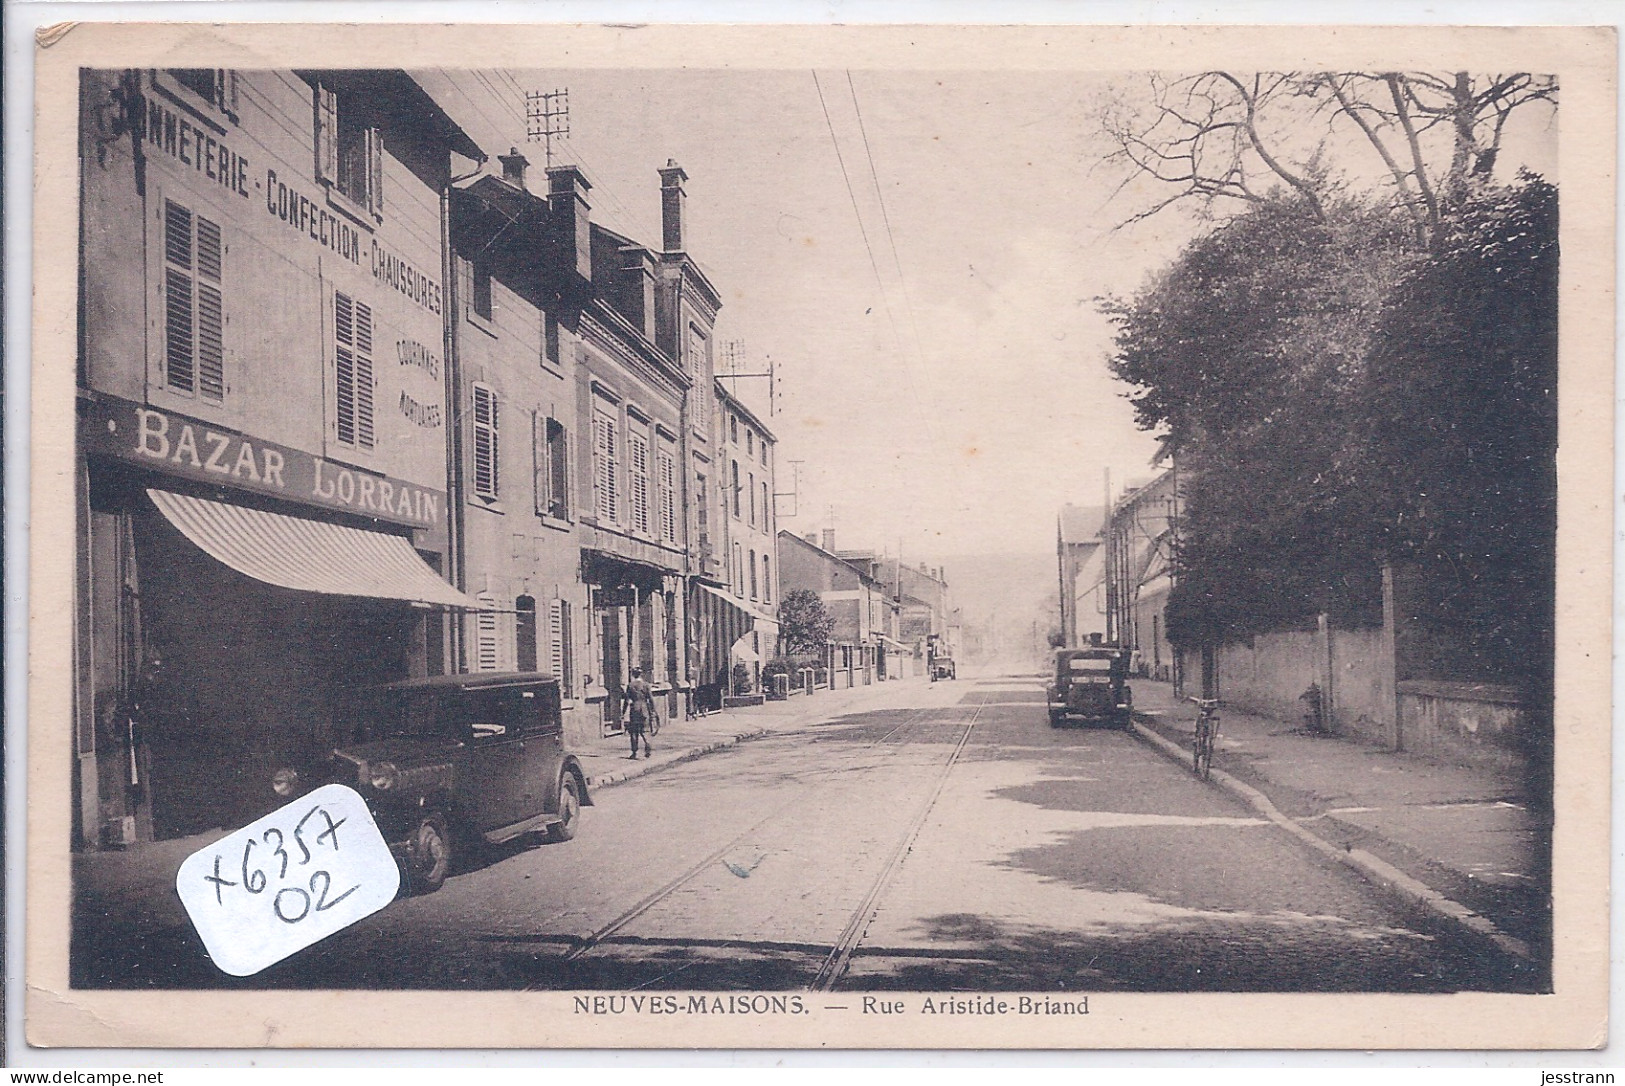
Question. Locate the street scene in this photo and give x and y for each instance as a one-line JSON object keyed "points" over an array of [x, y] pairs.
{"points": [[818, 532]]}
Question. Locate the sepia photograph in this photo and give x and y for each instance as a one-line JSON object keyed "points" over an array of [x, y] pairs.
{"points": [[703, 539]]}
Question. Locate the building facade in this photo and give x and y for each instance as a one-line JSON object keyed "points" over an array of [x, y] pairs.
{"points": [[1080, 538], [857, 602], [262, 471], [1140, 548]]}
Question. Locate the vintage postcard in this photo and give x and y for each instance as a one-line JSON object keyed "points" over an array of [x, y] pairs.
{"points": [[886, 537]]}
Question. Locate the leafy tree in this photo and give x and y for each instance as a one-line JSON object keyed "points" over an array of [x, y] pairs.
{"points": [[804, 625], [1457, 445], [1247, 353]]}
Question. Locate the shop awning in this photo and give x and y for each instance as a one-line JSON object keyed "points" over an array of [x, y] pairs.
{"points": [[753, 613], [308, 555]]}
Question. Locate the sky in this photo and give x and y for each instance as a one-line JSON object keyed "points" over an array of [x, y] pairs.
{"points": [[919, 254]]}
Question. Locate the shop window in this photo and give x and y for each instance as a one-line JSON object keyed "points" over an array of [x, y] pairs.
{"points": [[637, 448], [668, 493], [525, 633], [606, 464], [194, 304], [487, 469], [216, 87], [353, 371], [349, 152], [552, 469]]}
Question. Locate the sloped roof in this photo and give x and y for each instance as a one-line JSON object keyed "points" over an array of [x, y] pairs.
{"points": [[1082, 523]]}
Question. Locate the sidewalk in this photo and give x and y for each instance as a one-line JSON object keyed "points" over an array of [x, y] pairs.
{"points": [[1467, 843], [606, 763]]}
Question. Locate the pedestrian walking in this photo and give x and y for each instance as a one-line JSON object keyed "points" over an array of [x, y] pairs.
{"points": [[640, 709]]}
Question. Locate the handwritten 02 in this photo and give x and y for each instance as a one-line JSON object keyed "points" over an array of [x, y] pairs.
{"points": [[288, 880]]}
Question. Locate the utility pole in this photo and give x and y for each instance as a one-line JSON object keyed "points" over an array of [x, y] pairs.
{"points": [[547, 117], [732, 352]]}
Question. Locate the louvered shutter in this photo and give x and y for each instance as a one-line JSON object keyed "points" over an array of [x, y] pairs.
{"points": [[606, 467], [541, 472], [555, 638], [485, 442], [344, 369], [180, 357], [363, 375], [327, 134], [485, 635], [211, 349], [638, 450]]}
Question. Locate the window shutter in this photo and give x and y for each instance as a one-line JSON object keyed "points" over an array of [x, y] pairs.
{"points": [[228, 91], [606, 467], [211, 351], [375, 172], [179, 347], [327, 134], [485, 635], [344, 370], [638, 450], [363, 375], [567, 656], [540, 462], [486, 466], [555, 638]]}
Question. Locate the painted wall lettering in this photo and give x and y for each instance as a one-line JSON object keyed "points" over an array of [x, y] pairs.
{"points": [[196, 147]]}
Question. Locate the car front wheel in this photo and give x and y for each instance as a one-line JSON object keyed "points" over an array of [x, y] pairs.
{"points": [[428, 855], [569, 810]]}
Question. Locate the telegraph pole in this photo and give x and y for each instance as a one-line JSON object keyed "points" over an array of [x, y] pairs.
{"points": [[547, 117]]}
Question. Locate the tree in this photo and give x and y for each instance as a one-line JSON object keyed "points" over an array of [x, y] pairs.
{"points": [[804, 625], [1246, 354], [1221, 136]]}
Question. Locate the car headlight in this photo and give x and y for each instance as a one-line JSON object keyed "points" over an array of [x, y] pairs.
{"points": [[285, 781], [383, 775]]}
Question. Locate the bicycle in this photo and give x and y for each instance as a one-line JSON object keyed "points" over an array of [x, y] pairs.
{"points": [[1207, 734]]}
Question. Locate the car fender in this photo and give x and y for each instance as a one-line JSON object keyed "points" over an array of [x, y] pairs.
{"points": [[573, 767]]}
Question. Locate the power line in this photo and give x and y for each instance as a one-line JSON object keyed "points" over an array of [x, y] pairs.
{"points": [[891, 237], [885, 301]]}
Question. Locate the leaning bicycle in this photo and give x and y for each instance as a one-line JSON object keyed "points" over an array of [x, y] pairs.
{"points": [[1207, 734]]}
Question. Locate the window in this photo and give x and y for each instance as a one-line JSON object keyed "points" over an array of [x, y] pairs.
{"points": [[216, 86], [750, 484], [763, 447], [550, 340], [750, 441], [733, 429], [487, 468], [352, 370], [668, 492], [479, 296], [702, 510], [606, 464], [552, 468], [698, 363], [525, 633], [753, 589], [738, 577], [736, 488], [349, 152], [767, 579], [767, 525], [637, 448], [194, 304]]}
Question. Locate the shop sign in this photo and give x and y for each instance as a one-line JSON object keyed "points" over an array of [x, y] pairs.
{"points": [[177, 445]]}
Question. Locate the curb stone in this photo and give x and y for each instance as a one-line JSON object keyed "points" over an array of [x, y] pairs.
{"points": [[607, 780], [1369, 867]]}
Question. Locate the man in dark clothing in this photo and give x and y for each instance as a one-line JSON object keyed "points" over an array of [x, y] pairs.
{"points": [[640, 707]]}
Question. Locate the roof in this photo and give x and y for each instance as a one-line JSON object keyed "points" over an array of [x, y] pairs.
{"points": [[1081, 523], [478, 680], [406, 97]]}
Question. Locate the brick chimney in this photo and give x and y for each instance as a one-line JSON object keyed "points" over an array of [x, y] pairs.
{"points": [[567, 190], [671, 206], [513, 167]]}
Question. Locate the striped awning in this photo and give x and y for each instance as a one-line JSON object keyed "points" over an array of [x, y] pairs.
{"points": [[308, 555]]}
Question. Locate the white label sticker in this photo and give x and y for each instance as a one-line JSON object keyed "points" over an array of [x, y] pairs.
{"points": [[288, 880]]}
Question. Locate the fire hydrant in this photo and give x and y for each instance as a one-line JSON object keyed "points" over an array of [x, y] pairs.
{"points": [[1313, 710]]}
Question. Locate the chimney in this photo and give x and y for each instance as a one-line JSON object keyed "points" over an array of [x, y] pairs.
{"points": [[829, 540], [567, 201], [671, 206], [513, 167]]}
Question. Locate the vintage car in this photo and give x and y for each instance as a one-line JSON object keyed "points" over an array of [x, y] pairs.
{"points": [[1090, 684], [942, 667], [452, 761]]}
